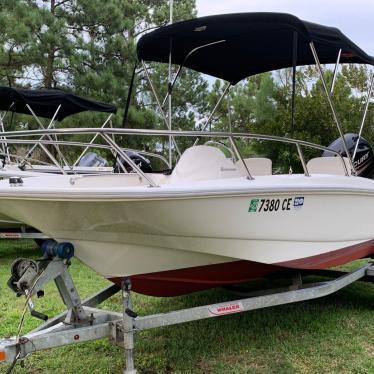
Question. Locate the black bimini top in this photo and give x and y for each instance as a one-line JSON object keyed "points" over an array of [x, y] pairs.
{"points": [[235, 46], [44, 103]]}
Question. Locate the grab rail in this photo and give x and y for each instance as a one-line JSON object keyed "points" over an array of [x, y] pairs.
{"points": [[71, 143], [175, 133]]}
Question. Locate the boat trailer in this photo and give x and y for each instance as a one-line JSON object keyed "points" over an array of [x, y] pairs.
{"points": [[82, 321], [22, 234]]}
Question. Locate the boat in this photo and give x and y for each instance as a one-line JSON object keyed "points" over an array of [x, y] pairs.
{"points": [[56, 105], [214, 220], [53, 105]]}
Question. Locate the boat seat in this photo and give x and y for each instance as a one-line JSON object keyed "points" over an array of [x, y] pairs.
{"points": [[328, 165], [203, 162], [256, 166]]}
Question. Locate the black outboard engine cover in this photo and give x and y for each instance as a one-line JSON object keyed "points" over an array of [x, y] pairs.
{"points": [[364, 159], [91, 159], [143, 163]]}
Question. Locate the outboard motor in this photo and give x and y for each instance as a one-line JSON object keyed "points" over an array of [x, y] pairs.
{"points": [[143, 163], [91, 159], [364, 159]]}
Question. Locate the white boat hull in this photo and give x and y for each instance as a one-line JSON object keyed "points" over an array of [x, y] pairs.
{"points": [[7, 223], [134, 233], [209, 227]]}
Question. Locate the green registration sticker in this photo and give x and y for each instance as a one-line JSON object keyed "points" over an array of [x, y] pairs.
{"points": [[274, 205], [253, 205]]}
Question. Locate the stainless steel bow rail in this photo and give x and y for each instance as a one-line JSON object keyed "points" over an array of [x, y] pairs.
{"points": [[33, 163], [84, 322], [18, 137]]}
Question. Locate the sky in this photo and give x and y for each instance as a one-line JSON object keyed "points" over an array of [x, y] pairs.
{"points": [[355, 18]]}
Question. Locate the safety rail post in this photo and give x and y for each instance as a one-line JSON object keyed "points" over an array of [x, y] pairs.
{"points": [[302, 160], [238, 154]]}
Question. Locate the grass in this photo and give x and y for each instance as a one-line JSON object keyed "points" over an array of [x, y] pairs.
{"points": [[329, 335]]}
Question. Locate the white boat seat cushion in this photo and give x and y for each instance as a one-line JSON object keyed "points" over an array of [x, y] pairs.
{"points": [[203, 162], [328, 165], [256, 166]]}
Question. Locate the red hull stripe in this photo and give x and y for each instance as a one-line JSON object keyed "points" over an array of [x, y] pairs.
{"points": [[183, 281], [334, 258]]}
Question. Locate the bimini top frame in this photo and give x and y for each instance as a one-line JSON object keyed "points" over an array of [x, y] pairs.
{"points": [[235, 46]]}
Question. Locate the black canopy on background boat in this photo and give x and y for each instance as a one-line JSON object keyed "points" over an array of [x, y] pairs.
{"points": [[44, 103], [246, 44]]}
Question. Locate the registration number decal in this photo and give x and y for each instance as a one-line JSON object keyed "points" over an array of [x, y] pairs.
{"points": [[275, 205]]}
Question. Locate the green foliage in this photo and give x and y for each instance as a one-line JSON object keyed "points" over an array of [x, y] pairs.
{"points": [[89, 47], [262, 104]]}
